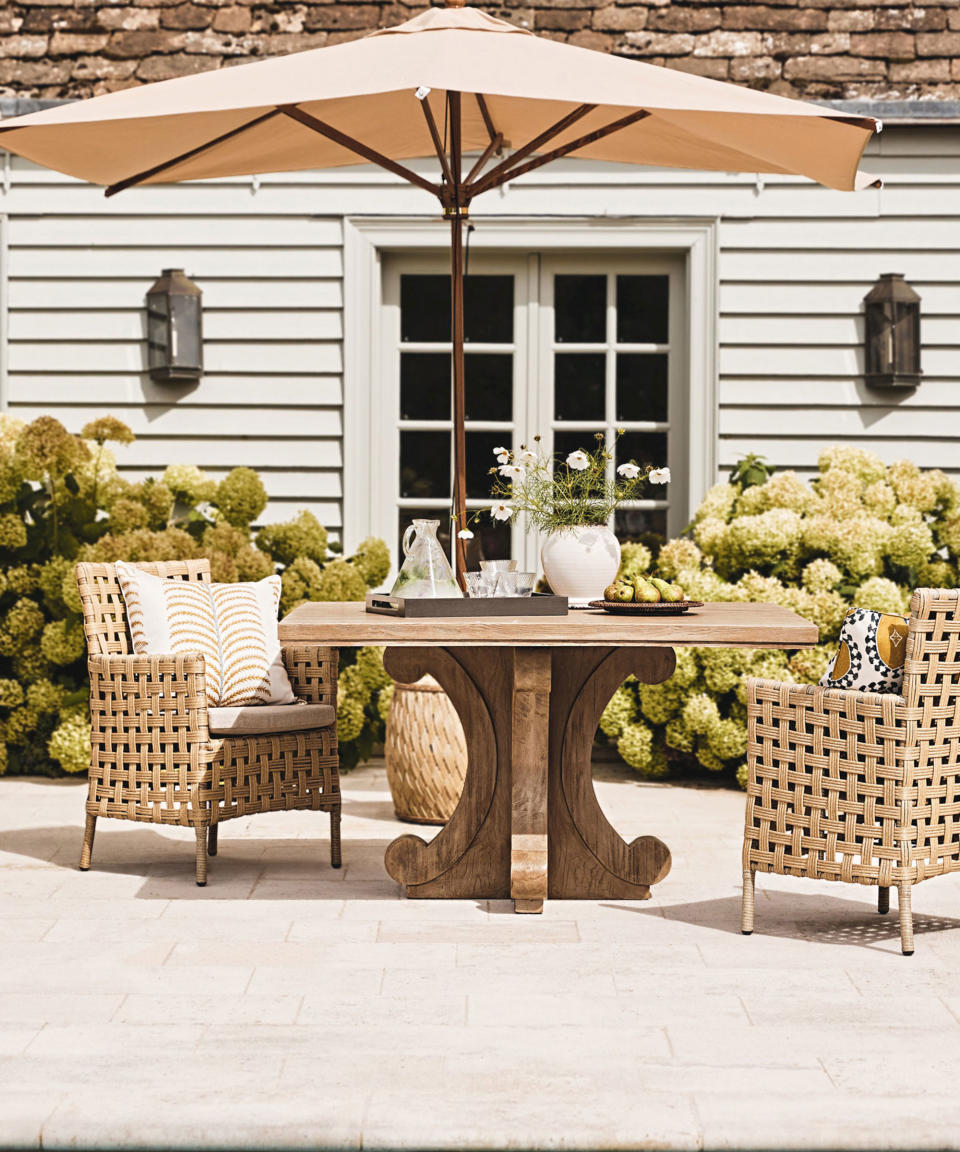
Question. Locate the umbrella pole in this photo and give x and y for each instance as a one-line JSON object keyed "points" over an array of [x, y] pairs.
{"points": [[457, 210]]}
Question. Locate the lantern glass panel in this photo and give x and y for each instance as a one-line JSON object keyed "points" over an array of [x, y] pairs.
{"points": [[185, 339], [157, 330]]}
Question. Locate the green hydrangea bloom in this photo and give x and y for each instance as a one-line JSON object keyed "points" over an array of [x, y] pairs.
{"points": [[723, 668], [23, 621], [710, 533], [384, 700], [340, 580], [50, 582], [936, 574], [69, 592], [620, 712], [107, 428], [23, 579], [909, 545], [855, 543], [30, 664], [808, 665], [69, 743], [127, 515], [13, 532], [659, 702], [784, 490], [921, 490], [370, 665], [157, 501], [839, 494], [881, 595], [687, 670], [62, 642], [252, 564], [764, 540], [241, 497], [743, 776], [350, 718], [678, 736], [700, 713], [303, 536], [635, 746], [46, 450], [11, 475], [727, 739], [634, 558], [20, 725], [372, 561], [708, 759], [677, 556], [866, 466], [821, 576], [44, 697], [300, 581], [880, 499], [11, 694], [189, 484], [718, 503]]}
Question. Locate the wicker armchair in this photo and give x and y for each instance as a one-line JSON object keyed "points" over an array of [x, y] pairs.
{"points": [[857, 786], [153, 758]]}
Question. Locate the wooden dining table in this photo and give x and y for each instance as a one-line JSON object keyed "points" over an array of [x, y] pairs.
{"points": [[529, 692]]}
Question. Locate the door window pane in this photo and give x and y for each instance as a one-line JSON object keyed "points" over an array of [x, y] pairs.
{"points": [[489, 386], [579, 385], [488, 309], [425, 309], [644, 448], [565, 442], [642, 309], [407, 517], [580, 309], [480, 459], [491, 540], [424, 464], [641, 386], [648, 525], [425, 392]]}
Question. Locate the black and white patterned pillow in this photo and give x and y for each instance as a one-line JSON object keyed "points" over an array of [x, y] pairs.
{"points": [[870, 654]]}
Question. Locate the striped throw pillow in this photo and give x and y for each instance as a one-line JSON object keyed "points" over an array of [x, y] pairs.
{"points": [[234, 627]]}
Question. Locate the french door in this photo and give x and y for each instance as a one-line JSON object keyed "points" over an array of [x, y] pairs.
{"points": [[564, 347]]}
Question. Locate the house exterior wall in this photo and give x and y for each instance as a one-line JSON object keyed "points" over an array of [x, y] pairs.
{"points": [[794, 263]]}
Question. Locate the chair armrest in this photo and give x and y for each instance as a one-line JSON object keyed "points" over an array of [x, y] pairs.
{"points": [[313, 672], [823, 700], [164, 697]]}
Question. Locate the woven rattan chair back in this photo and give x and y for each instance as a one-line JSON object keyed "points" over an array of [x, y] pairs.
{"points": [[104, 614]]}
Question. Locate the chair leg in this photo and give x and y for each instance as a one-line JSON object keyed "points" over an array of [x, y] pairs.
{"points": [[335, 837], [904, 900], [86, 852], [212, 840], [883, 901], [201, 856], [746, 905]]}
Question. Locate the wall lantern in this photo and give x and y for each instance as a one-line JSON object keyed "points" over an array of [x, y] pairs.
{"points": [[892, 333], [174, 328]]}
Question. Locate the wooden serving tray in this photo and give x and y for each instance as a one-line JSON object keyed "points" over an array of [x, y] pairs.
{"points": [[539, 604], [663, 608]]}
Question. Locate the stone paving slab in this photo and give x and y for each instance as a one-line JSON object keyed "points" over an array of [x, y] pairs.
{"points": [[286, 1005]]}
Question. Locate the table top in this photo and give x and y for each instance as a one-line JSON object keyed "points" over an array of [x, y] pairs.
{"points": [[736, 625]]}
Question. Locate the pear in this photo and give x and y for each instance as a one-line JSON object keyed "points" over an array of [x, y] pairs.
{"points": [[670, 593], [680, 593], [644, 592], [621, 592]]}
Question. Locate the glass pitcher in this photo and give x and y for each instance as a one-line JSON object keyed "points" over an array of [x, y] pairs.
{"points": [[426, 572]]}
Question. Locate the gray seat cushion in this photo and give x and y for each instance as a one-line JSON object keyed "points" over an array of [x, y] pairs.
{"points": [[268, 719]]}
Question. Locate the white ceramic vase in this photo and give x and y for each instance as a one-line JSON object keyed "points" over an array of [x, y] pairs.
{"points": [[580, 562]]}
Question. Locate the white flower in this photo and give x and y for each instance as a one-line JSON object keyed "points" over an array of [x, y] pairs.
{"points": [[512, 471], [659, 476], [464, 534], [526, 459], [502, 455], [578, 461], [501, 512], [630, 471]]}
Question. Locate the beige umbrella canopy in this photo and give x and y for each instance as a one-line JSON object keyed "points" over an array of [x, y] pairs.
{"points": [[451, 81]]}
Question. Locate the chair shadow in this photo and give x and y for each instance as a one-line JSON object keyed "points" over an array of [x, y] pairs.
{"points": [[166, 862], [818, 919]]}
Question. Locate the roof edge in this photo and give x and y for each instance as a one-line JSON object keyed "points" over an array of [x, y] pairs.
{"points": [[934, 113]]}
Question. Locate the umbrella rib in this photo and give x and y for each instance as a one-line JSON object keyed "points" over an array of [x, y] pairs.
{"points": [[435, 137], [494, 146], [113, 189], [492, 177], [487, 119], [557, 153], [371, 154]]}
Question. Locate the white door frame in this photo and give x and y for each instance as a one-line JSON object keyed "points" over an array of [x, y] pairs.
{"points": [[367, 239]]}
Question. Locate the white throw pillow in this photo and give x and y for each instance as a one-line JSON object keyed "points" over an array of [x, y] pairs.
{"points": [[234, 626], [871, 652]]}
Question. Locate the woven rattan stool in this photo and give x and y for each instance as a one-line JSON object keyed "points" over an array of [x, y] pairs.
{"points": [[856, 786], [153, 759], [425, 753]]}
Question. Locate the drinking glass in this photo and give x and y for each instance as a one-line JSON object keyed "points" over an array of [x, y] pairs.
{"points": [[480, 583], [498, 565], [515, 583]]}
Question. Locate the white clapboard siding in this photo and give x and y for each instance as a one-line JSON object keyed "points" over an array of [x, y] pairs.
{"points": [[794, 264]]}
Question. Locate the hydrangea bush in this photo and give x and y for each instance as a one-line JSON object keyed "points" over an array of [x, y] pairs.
{"points": [[63, 500], [859, 534]]}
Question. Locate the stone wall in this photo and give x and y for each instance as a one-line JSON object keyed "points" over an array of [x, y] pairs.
{"points": [[818, 49]]}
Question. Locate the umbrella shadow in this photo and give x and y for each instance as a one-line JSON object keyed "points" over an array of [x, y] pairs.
{"points": [[244, 868], [817, 919]]}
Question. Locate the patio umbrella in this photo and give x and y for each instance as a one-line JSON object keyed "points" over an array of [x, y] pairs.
{"points": [[451, 81]]}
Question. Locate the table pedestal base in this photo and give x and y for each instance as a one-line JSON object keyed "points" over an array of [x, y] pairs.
{"points": [[528, 824]]}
